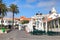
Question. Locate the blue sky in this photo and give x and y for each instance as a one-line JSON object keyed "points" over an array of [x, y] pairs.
{"points": [[29, 8]]}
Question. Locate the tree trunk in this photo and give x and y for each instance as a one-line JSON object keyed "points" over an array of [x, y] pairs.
{"points": [[2, 22], [13, 21]]}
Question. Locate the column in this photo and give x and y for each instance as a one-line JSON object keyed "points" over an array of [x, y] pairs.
{"points": [[46, 27], [51, 25], [58, 23], [54, 24], [42, 27]]}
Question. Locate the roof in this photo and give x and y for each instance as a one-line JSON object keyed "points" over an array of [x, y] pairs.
{"points": [[24, 18], [10, 18]]}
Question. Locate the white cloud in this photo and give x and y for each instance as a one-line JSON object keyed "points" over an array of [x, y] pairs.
{"points": [[49, 3], [27, 6], [30, 1], [9, 15], [46, 4], [15, 2]]}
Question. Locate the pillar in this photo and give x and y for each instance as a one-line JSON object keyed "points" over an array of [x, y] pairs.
{"points": [[46, 27], [54, 24], [51, 25], [58, 23]]}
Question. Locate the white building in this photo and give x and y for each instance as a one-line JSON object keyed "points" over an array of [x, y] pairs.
{"points": [[8, 21], [44, 22]]}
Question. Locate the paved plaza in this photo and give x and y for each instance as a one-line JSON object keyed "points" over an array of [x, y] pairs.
{"points": [[22, 35]]}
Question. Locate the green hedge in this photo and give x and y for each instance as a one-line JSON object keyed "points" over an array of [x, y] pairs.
{"points": [[52, 33], [38, 32]]}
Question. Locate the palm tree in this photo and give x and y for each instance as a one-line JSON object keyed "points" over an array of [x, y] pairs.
{"points": [[14, 10], [0, 1], [3, 10]]}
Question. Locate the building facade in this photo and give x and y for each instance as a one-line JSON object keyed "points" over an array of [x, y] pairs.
{"points": [[48, 22], [8, 21]]}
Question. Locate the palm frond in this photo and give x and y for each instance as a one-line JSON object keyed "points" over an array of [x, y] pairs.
{"points": [[3, 9], [14, 8]]}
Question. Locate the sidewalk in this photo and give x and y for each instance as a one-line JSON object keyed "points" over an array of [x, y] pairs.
{"points": [[21, 35]]}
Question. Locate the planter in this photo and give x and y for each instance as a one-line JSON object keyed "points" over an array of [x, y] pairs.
{"points": [[4, 30]]}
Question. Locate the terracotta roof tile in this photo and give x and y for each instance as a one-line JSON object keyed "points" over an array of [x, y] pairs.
{"points": [[24, 18]]}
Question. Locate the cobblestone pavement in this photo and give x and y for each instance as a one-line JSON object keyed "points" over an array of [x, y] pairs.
{"points": [[21, 35]]}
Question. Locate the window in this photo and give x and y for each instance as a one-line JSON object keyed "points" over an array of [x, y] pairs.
{"points": [[2, 21], [15, 22], [5, 21], [39, 18], [9, 21], [0, 11], [37, 23], [59, 21]]}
